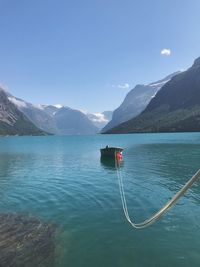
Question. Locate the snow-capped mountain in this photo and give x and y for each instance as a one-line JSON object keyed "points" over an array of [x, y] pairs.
{"points": [[71, 121], [175, 108], [35, 113], [55, 119], [13, 121], [136, 101]]}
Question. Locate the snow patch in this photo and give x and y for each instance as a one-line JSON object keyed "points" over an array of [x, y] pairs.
{"points": [[153, 95], [83, 111], [38, 106], [58, 106], [159, 84]]}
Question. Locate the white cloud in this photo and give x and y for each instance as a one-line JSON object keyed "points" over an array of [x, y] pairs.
{"points": [[4, 87], [122, 86], [99, 117], [165, 52], [17, 102]]}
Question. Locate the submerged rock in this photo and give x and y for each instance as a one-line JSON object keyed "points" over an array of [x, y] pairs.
{"points": [[26, 242]]}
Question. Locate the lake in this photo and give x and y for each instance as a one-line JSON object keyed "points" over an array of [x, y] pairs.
{"points": [[61, 181]]}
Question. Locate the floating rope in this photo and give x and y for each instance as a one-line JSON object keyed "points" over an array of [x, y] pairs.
{"points": [[163, 210]]}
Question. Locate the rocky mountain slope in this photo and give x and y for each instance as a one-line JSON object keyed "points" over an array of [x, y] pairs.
{"points": [[55, 119], [175, 108], [136, 101], [13, 121], [70, 121]]}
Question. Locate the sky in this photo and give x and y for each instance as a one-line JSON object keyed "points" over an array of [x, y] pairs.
{"points": [[88, 54]]}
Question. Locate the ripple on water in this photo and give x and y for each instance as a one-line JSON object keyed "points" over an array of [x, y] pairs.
{"points": [[63, 181]]}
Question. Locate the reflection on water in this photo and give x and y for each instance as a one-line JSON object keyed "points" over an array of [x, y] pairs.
{"points": [[110, 163]]}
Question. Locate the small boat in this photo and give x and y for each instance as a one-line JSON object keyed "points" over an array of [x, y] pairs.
{"points": [[111, 152]]}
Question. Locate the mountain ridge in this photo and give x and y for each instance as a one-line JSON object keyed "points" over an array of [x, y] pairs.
{"points": [[13, 121], [136, 101], [49, 118], [175, 108]]}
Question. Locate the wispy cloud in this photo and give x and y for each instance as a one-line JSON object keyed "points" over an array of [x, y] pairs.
{"points": [[4, 87], [165, 52], [99, 117], [122, 86]]}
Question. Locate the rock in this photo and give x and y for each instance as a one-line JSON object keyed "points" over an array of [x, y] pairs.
{"points": [[26, 242]]}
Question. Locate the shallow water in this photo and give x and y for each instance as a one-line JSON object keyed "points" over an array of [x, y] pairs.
{"points": [[61, 180]]}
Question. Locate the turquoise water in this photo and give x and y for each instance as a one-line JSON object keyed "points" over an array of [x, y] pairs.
{"points": [[62, 181]]}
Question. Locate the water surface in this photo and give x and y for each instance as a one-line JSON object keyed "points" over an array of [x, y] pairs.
{"points": [[61, 180]]}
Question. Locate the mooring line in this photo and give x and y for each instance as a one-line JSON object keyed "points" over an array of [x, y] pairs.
{"points": [[159, 213]]}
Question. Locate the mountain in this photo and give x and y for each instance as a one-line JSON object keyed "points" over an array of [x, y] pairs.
{"points": [[175, 108], [55, 119], [136, 101], [108, 114], [100, 119], [35, 113], [13, 121], [70, 121]]}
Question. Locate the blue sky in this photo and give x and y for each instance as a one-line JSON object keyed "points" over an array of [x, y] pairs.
{"points": [[88, 54]]}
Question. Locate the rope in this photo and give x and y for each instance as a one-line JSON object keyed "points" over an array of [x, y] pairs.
{"points": [[159, 213]]}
